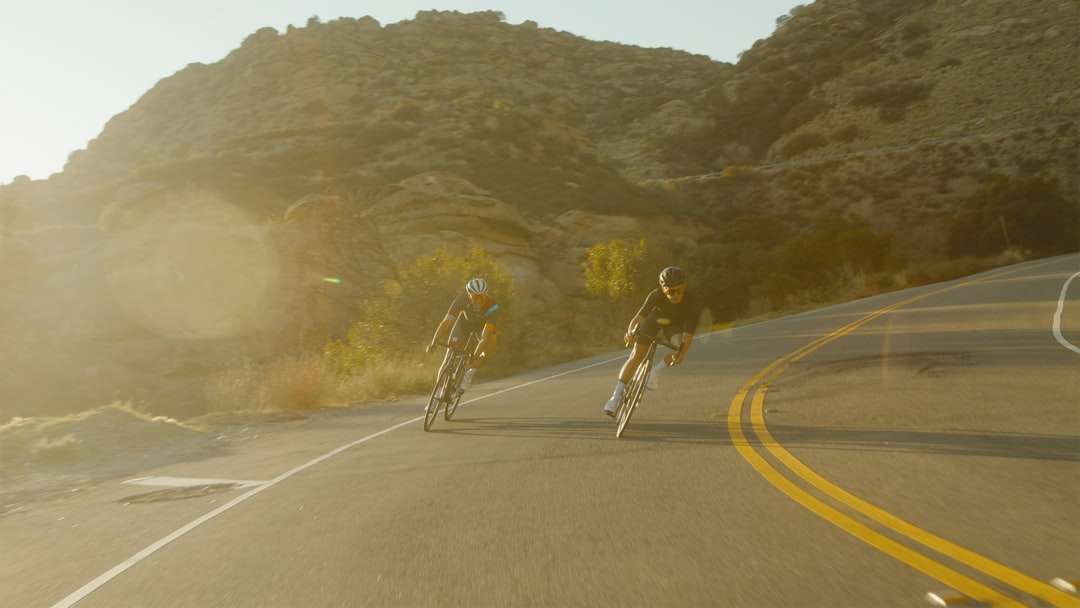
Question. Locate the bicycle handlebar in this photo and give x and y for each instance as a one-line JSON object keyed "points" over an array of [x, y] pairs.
{"points": [[446, 344]]}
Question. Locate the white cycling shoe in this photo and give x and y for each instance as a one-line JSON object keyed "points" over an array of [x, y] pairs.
{"points": [[653, 383], [611, 406], [466, 380], [613, 403]]}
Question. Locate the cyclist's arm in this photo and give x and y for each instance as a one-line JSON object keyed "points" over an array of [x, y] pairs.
{"points": [[678, 356], [443, 329], [632, 328], [687, 334], [487, 340]]}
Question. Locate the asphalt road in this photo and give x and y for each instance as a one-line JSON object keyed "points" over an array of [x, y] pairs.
{"points": [[932, 445]]}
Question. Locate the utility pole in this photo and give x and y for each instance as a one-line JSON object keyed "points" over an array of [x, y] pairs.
{"points": [[1005, 231]]}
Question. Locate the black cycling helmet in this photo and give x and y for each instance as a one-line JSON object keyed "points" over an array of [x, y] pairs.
{"points": [[672, 276]]}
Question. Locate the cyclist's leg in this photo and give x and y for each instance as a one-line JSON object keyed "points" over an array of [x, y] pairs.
{"points": [[674, 337], [480, 354], [454, 338], [642, 339]]}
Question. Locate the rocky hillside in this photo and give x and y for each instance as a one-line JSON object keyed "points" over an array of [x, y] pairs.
{"points": [[199, 227]]}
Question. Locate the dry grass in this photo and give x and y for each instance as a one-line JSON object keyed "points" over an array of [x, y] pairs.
{"points": [[384, 380], [305, 382], [962, 267], [293, 383]]}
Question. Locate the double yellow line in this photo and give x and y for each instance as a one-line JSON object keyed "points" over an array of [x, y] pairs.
{"points": [[916, 560]]}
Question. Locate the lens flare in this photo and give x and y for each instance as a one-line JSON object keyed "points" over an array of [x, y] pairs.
{"points": [[192, 267]]}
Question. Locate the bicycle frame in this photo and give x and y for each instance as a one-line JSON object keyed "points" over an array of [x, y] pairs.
{"points": [[636, 389], [449, 379]]}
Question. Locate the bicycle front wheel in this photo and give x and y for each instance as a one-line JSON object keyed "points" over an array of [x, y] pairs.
{"points": [[454, 393], [451, 406], [633, 395], [434, 402]]}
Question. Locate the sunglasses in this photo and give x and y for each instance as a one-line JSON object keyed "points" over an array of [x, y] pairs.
{"points": [[674, 291]]}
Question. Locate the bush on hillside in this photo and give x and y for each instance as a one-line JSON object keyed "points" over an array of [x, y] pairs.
{"points": [[1036, 215], [803, 142], [893, 98], [846, 134], [803, 112], [818, 260], [621, 274], [724, 274]]}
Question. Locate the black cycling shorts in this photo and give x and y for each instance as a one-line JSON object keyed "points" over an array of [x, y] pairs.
{"points": [[655, 325]]}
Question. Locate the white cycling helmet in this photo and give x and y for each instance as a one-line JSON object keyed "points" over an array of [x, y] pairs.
{"points": [[476, 286]]}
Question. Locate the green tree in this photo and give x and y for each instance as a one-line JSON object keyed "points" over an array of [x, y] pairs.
{"points": [[619, 275], [724, 274], [819, 260]]}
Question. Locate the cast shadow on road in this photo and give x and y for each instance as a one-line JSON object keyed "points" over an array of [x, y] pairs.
{"points": [[949, 443], [644, 430], [687, 432]]}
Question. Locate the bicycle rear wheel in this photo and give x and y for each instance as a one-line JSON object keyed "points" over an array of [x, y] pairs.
{"points": [[454, 392], [634, 393]]}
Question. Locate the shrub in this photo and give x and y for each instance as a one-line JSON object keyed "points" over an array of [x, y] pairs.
{"points": [[819, 260], [285, 383], [846, 134], [621, 274], [803, 112], [1031, 210], [945, 270], [724, 275], [803, 142], [892, 99]]}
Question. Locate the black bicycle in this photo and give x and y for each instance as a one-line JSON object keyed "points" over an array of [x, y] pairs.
{"points": [[447, 392], [635, 390]]}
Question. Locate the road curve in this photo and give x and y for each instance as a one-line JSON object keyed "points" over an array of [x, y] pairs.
{"points": [[744, 481]]}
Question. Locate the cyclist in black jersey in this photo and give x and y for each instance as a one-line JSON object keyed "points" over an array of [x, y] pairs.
{"points": [[668, 309]]}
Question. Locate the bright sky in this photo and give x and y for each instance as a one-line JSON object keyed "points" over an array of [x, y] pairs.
{"points": [[68, 66]]}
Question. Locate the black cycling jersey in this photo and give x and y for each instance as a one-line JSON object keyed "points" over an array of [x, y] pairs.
{"points": [[683, 316]]}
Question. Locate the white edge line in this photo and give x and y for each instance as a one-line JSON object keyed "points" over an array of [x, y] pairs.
{"points": [[165, 481], [1057, 316], [115, 571]]}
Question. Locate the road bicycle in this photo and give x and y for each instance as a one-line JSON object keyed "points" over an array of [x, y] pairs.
{"points": [[635, 390], [447, 391]]}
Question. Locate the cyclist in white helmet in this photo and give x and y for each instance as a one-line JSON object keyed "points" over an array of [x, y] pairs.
{"points": [[473, 310], [668, 309]]}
